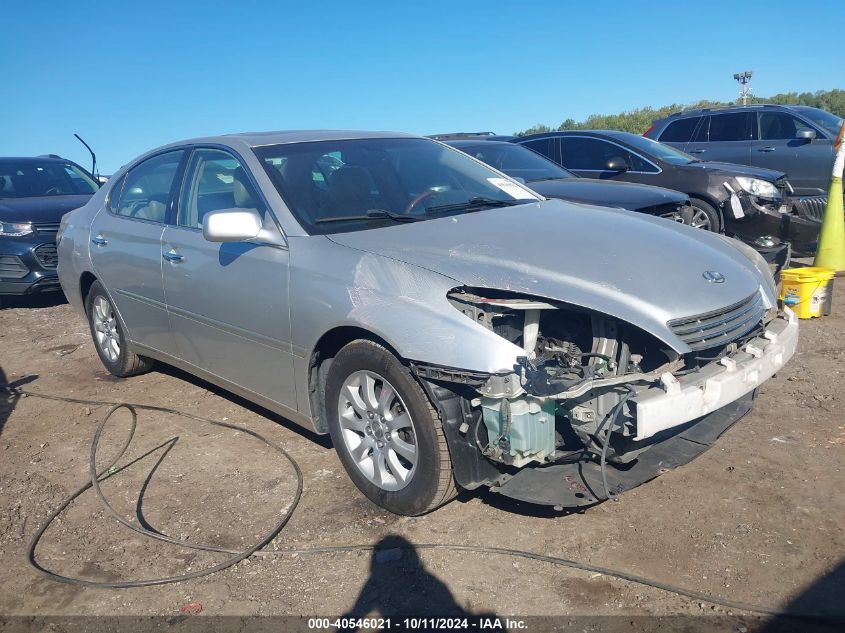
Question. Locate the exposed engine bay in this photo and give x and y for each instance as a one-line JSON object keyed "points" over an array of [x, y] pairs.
{"points": [[574, 391]]}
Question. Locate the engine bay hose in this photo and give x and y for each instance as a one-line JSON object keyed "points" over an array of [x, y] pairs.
{"points": [[95, 477]]}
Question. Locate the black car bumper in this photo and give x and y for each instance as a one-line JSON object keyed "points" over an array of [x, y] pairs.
{"points": [[764, 220], [28, 264], [580, 483]]}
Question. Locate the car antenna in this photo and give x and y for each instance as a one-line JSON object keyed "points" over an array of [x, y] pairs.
{"points": [[93, 156]]}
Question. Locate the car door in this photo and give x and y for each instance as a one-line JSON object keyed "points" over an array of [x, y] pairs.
{"points": [[228, 302], [126, 247], [724, 137], [805, 161]]}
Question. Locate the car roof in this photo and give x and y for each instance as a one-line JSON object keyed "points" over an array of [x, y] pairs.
{"points": [[611, 133], [467, 142], [734, 108], [258, 139], [34, 159]]}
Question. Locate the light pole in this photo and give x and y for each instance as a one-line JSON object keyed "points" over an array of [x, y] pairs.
{"points": [[744, 79]]}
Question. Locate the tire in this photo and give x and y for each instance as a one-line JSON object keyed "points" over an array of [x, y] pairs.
{"points": [[109, 336], [393, 447], [703, 211]]}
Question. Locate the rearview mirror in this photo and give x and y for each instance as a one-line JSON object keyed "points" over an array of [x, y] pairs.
{"points": [[617, 163], [231, 225], [806, 134]]}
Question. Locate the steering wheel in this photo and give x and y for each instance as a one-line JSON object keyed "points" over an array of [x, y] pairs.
{"points": [[417, 199], [51, 191]]}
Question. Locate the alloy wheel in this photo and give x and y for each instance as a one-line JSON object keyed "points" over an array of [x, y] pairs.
{"points": [[105, 328], [377, 430]]}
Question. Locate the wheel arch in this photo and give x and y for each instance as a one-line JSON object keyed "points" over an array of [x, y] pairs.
{"points": [[713, 202], [86, 280], [321, 357]]}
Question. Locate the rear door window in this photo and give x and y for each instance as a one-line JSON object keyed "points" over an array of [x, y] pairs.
{"points": [[579, 152], [543, 146], [146, 192], [731, 126]]}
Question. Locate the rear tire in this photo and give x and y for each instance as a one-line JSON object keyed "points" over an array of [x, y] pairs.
{"points": [[705, 216], [109, 336], [386, 431]]}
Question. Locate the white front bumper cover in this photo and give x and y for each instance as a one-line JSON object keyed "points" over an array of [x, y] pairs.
{"points": [[679, 400]]}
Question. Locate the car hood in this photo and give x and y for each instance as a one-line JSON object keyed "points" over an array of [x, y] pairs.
{"points": [[732, 169], [638, 268], [47, 209], [610, 193]]}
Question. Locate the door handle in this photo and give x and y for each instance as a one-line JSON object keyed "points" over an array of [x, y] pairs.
{"points": [[697, 151], [99, 240], [766, 149], [173, 256]]}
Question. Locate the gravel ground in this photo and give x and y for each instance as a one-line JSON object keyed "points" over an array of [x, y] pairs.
{"points": [[759, 518]]}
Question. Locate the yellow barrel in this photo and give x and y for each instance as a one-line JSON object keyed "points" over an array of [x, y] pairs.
{"points": [[807, 291]]}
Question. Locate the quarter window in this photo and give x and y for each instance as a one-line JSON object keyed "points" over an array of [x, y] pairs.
{"points": [[217, 181], [146, 191], [114, 195], [541, 146], [680, 131]]}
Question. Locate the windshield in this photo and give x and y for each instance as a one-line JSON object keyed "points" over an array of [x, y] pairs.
{"points": [[516, 161], [828, 121], [354, 184], [658, 150], [32, 178]]}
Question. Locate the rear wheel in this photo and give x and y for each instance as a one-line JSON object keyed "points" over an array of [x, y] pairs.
{"points": [[705, 216], [386, 432], [109, 337]]}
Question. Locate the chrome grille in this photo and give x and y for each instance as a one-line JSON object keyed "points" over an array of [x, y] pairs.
{"points": [[719, 327], [46, 255], [811, 207], [11, 267], [52, 227]]}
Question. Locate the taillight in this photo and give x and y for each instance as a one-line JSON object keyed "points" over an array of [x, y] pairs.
{"points": [[650, 128]]}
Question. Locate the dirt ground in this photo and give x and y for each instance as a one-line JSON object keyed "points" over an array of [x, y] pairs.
{"points": [[759, 518]]}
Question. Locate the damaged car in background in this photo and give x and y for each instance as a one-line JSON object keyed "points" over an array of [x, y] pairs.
{"points": [[448, 327], [750, 203]]}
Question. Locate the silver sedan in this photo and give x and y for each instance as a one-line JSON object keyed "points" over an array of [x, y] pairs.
{"points": [[447, 326]]}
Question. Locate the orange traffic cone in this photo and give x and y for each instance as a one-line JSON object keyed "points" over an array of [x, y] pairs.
{"points": [[831, 250]]}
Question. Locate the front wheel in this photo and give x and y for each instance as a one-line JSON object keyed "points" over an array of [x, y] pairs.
{"points": [[386, 432], [705, 216], [109, 337]]}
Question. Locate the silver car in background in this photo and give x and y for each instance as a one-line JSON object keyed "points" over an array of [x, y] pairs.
{"points": [[447, 326]]}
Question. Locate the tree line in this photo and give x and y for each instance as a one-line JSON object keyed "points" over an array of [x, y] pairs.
{"points": [[639, 120]]}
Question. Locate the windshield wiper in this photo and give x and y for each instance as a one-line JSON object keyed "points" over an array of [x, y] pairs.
{"points": [[473, 204], [372, 214]]}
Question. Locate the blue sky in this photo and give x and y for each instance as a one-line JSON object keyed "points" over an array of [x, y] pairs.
{"points": [[131, 76]]}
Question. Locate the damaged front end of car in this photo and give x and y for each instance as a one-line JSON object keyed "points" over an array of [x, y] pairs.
{"points": [[595, 406], [768, 217]]}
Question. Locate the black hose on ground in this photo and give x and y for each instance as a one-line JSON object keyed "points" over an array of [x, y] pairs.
{"points": [[96, 477]]}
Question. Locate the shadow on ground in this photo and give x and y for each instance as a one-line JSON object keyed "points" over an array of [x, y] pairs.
{"points": [[41, 300], [825, 597], [8, 399], [400, 586]]}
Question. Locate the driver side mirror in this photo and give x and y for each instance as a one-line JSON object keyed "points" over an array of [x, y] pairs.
{"points": [[231, 225], [617, 163], [805, 134]]}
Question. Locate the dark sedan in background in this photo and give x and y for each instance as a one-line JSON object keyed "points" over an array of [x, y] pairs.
{"points": [[34, 195], [746, 202], [553, 181]]}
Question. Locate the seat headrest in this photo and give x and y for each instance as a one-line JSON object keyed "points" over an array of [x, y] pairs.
{"points": [[242, 190], [351, 182]]}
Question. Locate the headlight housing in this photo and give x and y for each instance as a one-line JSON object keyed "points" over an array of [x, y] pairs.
{"points": [[15, 229], [759, 188]]}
